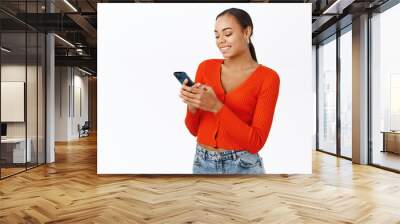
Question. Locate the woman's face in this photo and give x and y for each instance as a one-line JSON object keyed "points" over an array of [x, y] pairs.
{"points": [[230, 38]]}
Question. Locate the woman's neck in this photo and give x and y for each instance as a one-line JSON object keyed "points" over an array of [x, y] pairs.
{"points": [[240, 62]]}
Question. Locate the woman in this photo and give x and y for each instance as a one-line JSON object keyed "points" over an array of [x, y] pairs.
{"points": [[231, 106]]}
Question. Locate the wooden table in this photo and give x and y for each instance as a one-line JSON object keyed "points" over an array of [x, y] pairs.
{"points": [[391, 141], [13, 150]]}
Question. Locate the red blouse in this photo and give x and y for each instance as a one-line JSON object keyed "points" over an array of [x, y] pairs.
{"points": [[244, 122]]}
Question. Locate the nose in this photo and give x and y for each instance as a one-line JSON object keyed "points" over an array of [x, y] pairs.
{"points": [[220, 39]]}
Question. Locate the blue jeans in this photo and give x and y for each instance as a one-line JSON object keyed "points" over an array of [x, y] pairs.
{"points": [[226, 162]]}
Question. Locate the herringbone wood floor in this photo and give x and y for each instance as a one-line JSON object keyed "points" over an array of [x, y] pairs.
{"points": [[70, 191]]}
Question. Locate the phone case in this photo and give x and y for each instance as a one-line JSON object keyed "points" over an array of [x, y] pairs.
{"points": [[181, 76]]}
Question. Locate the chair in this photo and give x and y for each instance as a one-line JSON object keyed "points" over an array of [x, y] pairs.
{"points": [[84, 130]]}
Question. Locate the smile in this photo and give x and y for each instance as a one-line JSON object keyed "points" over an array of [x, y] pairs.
{"points": [[224, 48]]}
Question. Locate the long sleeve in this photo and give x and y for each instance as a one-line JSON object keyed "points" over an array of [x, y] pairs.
{"points": [[253, 137], [192, 120]]}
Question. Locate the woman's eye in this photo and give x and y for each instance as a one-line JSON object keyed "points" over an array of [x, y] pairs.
{"points": [[227, 35]]}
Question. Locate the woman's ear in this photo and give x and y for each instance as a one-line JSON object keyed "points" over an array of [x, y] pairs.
{"points": [[247, 32]]}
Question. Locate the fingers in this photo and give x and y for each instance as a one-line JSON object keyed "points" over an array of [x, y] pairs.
{"points": [[191, 102], [201, 87], [191, 94], [190, 97], [185, 87], [197, 84], [196, 88], [194, 105]]}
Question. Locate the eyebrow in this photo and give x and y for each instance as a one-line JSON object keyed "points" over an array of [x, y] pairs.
{"points": [[223, 29]]}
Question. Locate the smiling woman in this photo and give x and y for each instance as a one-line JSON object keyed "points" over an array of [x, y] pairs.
{"points": [[230, 108], [233, 107]]}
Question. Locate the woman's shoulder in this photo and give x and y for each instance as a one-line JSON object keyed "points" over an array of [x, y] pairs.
{"points": [[269, 74], [207, 68], [210, 62]]}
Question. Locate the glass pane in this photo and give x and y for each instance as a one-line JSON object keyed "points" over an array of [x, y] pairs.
{"points": [[386, 89], [327, 97], [346, 93], [22, 89], [31, 86], [41, 98], [314, 71], [32, 95], [13, 88]]}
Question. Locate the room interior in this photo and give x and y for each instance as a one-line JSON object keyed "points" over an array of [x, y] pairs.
{"points": [[48, 92]]}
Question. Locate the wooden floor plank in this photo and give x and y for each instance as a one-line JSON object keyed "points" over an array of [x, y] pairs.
{"points": [[70, 191]]}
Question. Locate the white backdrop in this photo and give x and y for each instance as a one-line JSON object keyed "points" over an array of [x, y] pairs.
{"points": [[141, 126]]}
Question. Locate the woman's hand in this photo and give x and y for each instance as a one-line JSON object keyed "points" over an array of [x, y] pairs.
{"points": [[187, 89], [200, 97]]}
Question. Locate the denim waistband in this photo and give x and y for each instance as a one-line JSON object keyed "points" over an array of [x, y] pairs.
{"points": [[223, 155]]}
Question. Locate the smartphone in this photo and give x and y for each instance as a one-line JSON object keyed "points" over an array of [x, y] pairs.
{"points": [[181, 76]]}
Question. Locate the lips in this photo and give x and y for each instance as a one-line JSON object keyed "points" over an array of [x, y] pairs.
{"points": [[225, 48]]}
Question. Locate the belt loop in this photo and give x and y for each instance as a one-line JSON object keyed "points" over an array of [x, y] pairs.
{"points": [[234, 154]]}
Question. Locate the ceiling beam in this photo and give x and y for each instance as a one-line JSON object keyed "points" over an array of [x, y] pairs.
{"points": [[83, 23], [337, 6], [85, 61]]}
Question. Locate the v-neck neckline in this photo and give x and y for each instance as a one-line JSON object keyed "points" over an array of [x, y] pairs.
{"points": [[240, 85]]}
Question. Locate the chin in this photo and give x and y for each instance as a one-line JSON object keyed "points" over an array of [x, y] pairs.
{"points": [[227, 56]]}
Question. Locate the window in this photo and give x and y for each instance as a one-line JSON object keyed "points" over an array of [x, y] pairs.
{"points": [[346, 93], [385, 89], [327, 96], [22, 74]]}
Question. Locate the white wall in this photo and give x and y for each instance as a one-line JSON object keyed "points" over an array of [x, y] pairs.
{"points": [[80, 84], [61, 103], [68, 81]]}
